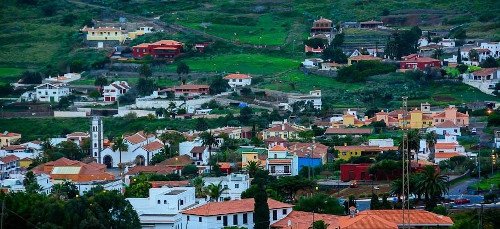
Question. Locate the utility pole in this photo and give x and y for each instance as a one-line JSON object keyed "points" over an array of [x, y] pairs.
{"points": [[406, 168]]}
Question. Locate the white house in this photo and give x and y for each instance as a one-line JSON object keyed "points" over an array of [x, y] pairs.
{"points": [[51, 92], [111, 92], [280, 162], [494, 47], [195, 149], [482, 53], [15, 183], [161, 210], [447, 42], [447, 127], [9, 165], [496, 139], [66, 78], [109, 185], [238, 80], [314, 97], [235, 184], [312, 63], [215, 215], [140, 149], [423, 42]]}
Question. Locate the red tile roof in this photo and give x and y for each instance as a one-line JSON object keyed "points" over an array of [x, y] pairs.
{"points": [[158, 169], [279, 161], [77, 171], [9, 134], [365, 148], [485, 71], [153, 146], [275, 139], [447, 124], [177, 161], [192, 87], [167, 42], [282, 128], [441, 145], [198, 149], [9, 159], [231, 207], [416, 58], [416, 217], [366, 221], [78, 134], [306, 149], [158, 184], [224, 165], [447, 155], [304, 220], [237, 76], [136, 138], [278, 148]]}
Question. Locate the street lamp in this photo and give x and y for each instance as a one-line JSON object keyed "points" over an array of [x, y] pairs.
{"points": [[493, 160]]}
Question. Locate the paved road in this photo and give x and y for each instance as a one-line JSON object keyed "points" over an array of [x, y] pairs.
{"points": [[461, 188]]}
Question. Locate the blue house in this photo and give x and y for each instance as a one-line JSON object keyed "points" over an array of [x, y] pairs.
{"points": [[309, 154]]}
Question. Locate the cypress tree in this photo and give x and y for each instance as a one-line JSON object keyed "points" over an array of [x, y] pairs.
{"points": [[261, 208], [459, 57]]}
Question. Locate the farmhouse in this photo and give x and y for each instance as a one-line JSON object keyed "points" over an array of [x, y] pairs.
{"points": [[115, 90], [360, 58], [238, 80], [49, 92], [7, 138], [372, 24], [415, 61], [321, 26], [164, 49]]}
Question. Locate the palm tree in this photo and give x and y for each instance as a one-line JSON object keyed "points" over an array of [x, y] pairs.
{"points": [[432, 185], [198, 184], [397, 188], [413, 142], [209, 140], [120, 145], [252, 168], [215, 191], [172, 138], [431, 139]]}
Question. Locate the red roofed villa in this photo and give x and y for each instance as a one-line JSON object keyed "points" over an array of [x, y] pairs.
{"points": [[164, 49], [415, 61]]}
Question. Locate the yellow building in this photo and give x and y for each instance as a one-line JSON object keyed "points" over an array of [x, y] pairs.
{"points": [[6, 138], [251, 153], [346, 152], [105, 34], [419, 120], [25, 162]]}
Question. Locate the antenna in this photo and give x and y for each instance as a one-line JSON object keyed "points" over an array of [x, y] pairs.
{"points": [[406, 168]]}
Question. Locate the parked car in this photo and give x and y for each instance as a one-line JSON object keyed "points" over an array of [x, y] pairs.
{"points": [[473, 131], [461, 201]]}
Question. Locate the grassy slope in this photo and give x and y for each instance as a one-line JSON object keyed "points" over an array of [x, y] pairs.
{"points": [[9, 75]]}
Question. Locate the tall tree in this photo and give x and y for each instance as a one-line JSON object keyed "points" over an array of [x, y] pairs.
{"points": [[320, 224], [198, 184], [459, 56], [145, 71], [209, 141], [261, 208], [100, 81], [218, 85], [320, 203], [182, 68], [120, 145], [431, 140]]}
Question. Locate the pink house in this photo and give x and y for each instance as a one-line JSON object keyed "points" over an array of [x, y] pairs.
{"points": [[451, 114]]}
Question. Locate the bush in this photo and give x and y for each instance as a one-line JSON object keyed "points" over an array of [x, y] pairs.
{"points": [[358, 72]]}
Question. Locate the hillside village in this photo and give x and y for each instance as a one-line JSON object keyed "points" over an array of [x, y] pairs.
{"points": [[284, 115]]}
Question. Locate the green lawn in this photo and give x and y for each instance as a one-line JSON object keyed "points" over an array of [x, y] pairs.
{"points": [[258, 64], [8, 75], [485, 184]]}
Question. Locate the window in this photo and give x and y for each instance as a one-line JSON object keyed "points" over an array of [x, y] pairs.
{"points": [[275, 156], [95, 154], [245, 218], [235, 219], [95, 144], [159, 201], [284, 211], [182, 202], [273, 169], [275, 214], [236, 185], [199, 219], [225, 186], [254, 157], [187, 218], [219, 217], [287, 169], [164, 201]]}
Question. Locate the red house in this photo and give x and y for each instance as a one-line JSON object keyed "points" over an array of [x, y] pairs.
{"points": [[415, 61], [350, 172], [164, 49]]}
